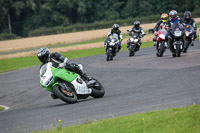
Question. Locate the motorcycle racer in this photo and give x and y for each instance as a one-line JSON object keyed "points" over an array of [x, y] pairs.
{"points": [[58, 60], [172, 19], [136, 29], [189, 20], [160, 25], [115, 29]]}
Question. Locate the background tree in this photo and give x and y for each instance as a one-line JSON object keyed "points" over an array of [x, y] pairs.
{"points": [[22, 16]]}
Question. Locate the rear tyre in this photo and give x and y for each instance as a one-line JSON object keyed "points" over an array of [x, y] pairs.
{"points": [[65, 94], [97, 90]]}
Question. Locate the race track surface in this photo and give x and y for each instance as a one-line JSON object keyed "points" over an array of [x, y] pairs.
{"points": [[133, 84]]}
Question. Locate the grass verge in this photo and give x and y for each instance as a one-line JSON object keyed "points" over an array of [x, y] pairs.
{"points": [[1, 108], [174, 120], [29, 61]]}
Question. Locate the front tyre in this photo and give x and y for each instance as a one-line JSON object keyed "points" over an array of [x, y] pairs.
{"points": [[98, 90], [132, 50], [65, 93], [108, 53], [162, 49], [178, 50], [186, 45]]}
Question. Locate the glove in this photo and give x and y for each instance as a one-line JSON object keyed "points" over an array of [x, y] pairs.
{"points": [[73, 64], [61, 65], [143, 35], [155, 33]]}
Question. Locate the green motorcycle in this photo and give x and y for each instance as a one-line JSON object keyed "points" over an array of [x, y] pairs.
{"points": [[68, 86]]}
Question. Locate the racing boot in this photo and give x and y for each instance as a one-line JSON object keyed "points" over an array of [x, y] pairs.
{"points": [[192, 43], [128, 45], [53, 96], [155, 41], [119, 48], [89, 81]]}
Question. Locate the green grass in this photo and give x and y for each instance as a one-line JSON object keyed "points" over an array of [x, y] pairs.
{"points": [[29, 61], [80, 43], [1, 108], [174, 120], [198, 25]]}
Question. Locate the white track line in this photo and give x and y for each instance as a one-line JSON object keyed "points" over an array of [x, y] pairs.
{"points": [[5, 107]]}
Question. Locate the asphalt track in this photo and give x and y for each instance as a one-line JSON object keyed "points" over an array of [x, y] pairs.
{"points": [[133, 84]]}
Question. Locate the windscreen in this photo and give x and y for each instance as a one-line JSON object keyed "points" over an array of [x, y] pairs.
{"points": [[176, 27], [43, 69]]}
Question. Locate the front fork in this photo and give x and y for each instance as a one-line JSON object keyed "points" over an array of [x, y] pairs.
{"points": [[180, 42]]}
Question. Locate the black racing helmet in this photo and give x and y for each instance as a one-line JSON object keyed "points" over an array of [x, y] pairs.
{"points": [[187, 15], [115, 27], [137, 24], [43, 54]]}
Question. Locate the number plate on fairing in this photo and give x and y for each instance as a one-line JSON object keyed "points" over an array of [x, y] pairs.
{"points": [[178, 33]]}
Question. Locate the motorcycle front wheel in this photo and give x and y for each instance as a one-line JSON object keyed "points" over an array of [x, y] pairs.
{"points": [[162, 49], [186, 45], [65, 93], [132, 50], [108, 53], [178, 50]]}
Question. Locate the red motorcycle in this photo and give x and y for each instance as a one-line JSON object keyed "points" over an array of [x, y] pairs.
{"points": [[161, 45]]}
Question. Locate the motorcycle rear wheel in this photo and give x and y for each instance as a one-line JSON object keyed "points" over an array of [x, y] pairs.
{"points": [[98, 90]]}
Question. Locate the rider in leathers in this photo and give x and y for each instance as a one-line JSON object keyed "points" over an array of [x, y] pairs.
{"points": [[188, 20], [160, 25], [136, 29], [172, 19], [115, 29], [58, 60]]}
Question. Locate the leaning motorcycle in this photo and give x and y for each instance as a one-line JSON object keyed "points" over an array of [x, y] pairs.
{"points": [[134, 44], [161, 45], [188, 37], [112, 47], [177, 33], [68, 86]]}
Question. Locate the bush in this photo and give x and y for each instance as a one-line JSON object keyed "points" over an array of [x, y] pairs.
{"points": [[99, 25], [7, 36], [196, 13]]}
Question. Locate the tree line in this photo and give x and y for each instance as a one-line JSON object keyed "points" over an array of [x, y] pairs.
{"points": [[22, 17]]}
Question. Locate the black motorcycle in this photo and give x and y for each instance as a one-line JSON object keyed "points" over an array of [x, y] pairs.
{"points": [[188, 37], [112, 47], [177, 34], [133, 44]]}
